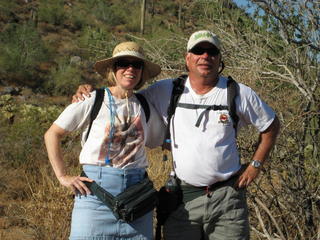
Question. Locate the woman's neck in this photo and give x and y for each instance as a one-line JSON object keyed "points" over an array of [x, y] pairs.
{"points": [[120, 93]]}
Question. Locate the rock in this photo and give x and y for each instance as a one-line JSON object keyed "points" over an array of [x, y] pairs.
{"points": [[76, 60], [10, 90]]}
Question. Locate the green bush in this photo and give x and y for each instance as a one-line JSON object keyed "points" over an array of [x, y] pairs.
{"points": [[97, 43], [6, 8], [64, 79], [52, 11], [21, 140], [21, 51]]}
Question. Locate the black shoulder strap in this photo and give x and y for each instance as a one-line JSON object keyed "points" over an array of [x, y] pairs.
{"points": [[177, 90], [95, 109], [144, 105], [232, 93]]}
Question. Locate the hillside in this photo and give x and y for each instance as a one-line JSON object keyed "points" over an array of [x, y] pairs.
{"points": [[48, 48]]}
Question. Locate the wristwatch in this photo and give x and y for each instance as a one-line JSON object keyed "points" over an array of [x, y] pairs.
{"points": [[256, 164]]}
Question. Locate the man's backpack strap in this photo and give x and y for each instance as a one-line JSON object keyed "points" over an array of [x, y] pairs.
{"points": [[95, 109], [144, 104], [177, 90], [232, 93]]}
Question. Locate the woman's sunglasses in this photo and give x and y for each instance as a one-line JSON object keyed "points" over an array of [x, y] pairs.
{"points": [[211, 51], [125, 63]]}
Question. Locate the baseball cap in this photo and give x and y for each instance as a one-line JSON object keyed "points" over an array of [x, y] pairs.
{"points": [[203, 36]]}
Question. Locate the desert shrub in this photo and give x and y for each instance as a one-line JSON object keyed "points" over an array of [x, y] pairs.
{"points": [[52, 11], [77, 17], [21, 51], [21, 139], [6, 8], [64, 79], [97, 43]]}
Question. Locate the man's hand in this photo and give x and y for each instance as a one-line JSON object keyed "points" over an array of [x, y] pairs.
{"points": [[83, 89], [247, 177]]}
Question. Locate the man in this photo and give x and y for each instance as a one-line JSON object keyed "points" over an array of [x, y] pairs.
{"points": [[204, 147]]}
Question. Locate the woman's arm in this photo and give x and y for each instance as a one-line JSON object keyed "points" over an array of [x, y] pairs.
{"points": [[52, 140]]}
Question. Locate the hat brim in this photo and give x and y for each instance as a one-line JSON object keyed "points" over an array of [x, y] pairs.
{"points": [[150, 69]]}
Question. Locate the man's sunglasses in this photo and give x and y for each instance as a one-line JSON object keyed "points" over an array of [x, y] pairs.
{"points": [[125, 63], [211, 51]]}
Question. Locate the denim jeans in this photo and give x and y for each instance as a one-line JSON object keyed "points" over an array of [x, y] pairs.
{"points": [[92, 220]]}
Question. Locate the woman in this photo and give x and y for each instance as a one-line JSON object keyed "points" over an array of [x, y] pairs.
{"points": [[113, 155]]}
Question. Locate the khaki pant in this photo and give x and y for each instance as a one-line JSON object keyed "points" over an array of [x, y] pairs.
{"points": [[223, 216]]}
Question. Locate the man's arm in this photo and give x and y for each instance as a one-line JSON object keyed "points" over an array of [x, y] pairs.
{"points": [[83, 89], [267, 140]]}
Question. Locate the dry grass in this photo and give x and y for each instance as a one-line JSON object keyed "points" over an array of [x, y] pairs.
{"points": [[34, 206]]}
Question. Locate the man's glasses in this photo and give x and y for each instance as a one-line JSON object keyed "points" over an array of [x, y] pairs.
{"points": [[125, 63], [211, 51]]}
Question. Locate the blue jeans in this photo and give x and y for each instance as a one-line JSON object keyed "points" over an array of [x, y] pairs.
{"points": [[92, 220]]}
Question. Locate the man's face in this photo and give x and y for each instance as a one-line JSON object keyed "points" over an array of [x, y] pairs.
{"points": [[203, 60]]}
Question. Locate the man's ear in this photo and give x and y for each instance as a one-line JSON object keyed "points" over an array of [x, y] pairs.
{"points": [[221, 67], [187, 58]]}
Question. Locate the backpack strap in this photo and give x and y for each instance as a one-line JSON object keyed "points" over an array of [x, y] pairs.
{"points": [[95, 109], [177, 90], [98, 102], [233, 91], [144, 104]]}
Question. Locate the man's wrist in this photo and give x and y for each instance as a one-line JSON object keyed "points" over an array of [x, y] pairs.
{"points": [[256, 164]]}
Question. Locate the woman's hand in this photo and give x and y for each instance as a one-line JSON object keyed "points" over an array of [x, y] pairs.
{"points": [[76, 184], [83, 89]]}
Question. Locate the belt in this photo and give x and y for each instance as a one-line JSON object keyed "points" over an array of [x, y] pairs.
{"points": [[191, 192]]}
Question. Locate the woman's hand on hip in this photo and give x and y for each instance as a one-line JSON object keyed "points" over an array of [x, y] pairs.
{"points": [[76, 184]]}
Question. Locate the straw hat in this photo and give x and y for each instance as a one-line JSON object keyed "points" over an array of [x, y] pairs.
{"points": [[128, 49]]}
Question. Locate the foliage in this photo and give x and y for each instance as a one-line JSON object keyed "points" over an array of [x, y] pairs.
{"points": [[64, 79], [22, 49], [278, 58], [52, 11], [23, 135], [96, 43]]}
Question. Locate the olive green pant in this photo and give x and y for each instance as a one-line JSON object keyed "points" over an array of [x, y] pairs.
{"points": [[222, 215]]}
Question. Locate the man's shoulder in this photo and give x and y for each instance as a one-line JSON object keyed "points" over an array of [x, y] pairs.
{"points": [[159, 85], [163, 82]]}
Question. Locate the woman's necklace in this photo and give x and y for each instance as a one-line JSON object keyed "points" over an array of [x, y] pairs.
{"points": [[112, 108]]}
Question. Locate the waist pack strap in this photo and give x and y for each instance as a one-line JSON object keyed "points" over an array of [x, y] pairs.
{"points": [[103, 195]]}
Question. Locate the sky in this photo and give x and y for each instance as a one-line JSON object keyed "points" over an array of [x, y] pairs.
{"points": [[243, 3], [240, 2]]}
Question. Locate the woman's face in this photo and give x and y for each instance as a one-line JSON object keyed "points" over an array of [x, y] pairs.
{"points": [[128, 72]]}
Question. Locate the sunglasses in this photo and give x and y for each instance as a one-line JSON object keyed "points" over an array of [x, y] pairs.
{"points": [[125, 63], [211, 51]]}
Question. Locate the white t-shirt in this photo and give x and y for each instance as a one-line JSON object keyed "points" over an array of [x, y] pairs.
{"points": [[131, 132], [207, 154]]}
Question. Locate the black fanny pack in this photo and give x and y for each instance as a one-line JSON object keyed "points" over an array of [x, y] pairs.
{"points": [[134, 202]]}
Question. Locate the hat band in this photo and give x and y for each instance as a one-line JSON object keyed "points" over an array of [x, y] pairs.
{"points": [[129, 53]]}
